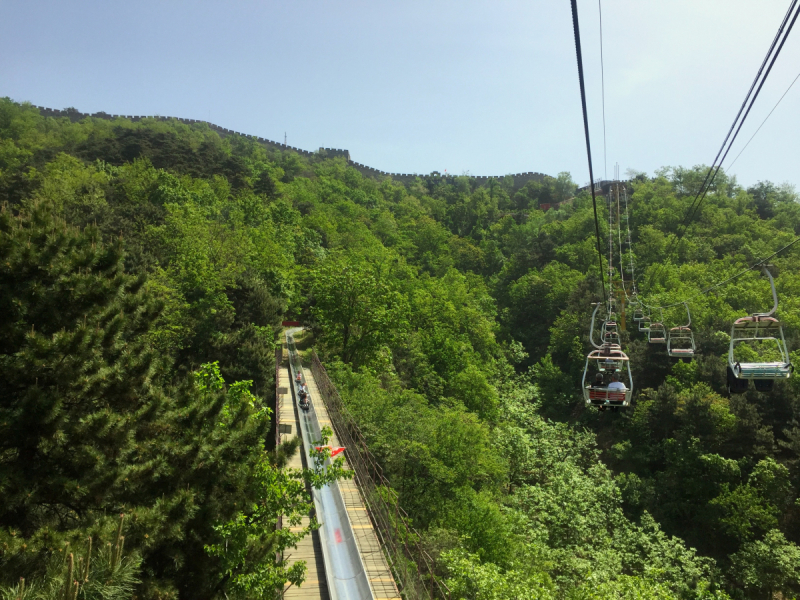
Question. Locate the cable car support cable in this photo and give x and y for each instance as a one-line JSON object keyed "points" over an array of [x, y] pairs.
{"points": [[758, 82], [724, 281], [576, 29], [603, 88], [765, 120], [629, 241], [748, 103]]}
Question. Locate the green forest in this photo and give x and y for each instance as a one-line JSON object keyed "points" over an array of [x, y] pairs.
{"points": [[145, 269]]}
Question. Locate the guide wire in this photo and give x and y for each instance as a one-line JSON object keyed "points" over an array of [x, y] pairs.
{"points": [[629, 241], [733, 132], [739, 128], [576, 29], [724, 281], [764, 121], [747, 104], [619, 242], [603, 89], [610, 250]]}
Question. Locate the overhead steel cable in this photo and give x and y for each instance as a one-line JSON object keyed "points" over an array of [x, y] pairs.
{"points": [[724, 281], [758, 82], [621, 252], [629, 241], [765, 120], [750, 106], [603, 89], [610, 248], [577, 32], [747, 104]]}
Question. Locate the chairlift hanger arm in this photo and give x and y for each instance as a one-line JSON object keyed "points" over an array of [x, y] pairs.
{"points": [[774, 293], [591, 327]]}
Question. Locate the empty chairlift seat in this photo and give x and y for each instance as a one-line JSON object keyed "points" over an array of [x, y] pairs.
{"points": [[762, 352], [656, 333], [767, 334], [680, 342], [610, 333]]}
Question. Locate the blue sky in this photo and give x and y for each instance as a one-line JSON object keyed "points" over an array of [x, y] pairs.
{"points": [[487, 88]]}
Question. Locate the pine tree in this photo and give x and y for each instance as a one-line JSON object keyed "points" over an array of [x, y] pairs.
{"points": [[92, 423], [76, 371]]}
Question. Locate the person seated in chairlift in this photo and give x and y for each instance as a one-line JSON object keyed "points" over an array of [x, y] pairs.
{"points": [[598, 381], [616, 384]]}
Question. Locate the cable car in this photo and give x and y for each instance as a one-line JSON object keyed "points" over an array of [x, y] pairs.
{"points": [[767, 356], [680, 342], [610, 362]]}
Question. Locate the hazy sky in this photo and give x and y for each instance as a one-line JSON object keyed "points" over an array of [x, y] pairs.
{"points": [[487, 88]]}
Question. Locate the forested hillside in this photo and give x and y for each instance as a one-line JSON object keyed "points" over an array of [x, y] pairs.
{"points": [[144, 272]]}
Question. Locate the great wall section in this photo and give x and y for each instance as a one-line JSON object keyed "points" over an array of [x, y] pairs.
{"points": [[520, 179]]}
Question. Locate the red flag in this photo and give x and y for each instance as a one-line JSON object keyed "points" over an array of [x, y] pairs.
{"points": [[334, 451]]}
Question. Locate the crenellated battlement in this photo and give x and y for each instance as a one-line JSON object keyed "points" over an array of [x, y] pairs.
{"points": [[520, 179]]}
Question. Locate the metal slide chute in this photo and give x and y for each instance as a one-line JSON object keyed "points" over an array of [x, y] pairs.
{"points": [[345, 572]]}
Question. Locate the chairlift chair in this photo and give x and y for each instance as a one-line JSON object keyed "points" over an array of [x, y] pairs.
{"points": [[607, 358], [755, 329], [610, 333], [680, 342], [636, 307], [644, 322], [656, 332], [605, 396]]}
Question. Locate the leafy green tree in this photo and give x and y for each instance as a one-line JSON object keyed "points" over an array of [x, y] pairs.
{"points": [[428, 292], [357, 307], [763, 567], [252, 545], [468, 578], [90, 424]]}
